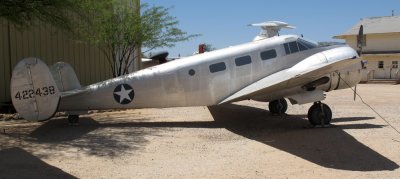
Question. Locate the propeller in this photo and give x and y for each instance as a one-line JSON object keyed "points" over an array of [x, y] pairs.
{"points": [[360, 40], [360, 43]]}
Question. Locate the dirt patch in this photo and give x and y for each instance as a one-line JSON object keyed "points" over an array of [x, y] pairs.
{"points": [[240, 140]]}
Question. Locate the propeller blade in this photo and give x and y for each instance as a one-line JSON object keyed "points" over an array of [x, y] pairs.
{"points": [[360, 43]]}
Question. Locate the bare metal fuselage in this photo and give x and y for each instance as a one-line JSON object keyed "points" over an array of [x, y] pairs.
{"points": [[171, 84]]}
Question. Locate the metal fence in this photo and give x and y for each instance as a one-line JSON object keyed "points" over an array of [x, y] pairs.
{"points": [[50, 45]]}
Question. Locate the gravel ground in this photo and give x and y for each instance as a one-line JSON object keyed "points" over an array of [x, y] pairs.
{"points": [[240, 140]]}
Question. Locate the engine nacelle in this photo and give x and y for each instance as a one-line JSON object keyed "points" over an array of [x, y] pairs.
{"points": [[343, 79]]}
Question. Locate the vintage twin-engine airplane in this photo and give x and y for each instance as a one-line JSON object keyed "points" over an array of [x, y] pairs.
{"points": [[270, 68]]}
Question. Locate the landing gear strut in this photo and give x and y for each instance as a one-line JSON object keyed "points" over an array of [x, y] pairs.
{"points": [[73, 119], [319, 114], [278, 106]]}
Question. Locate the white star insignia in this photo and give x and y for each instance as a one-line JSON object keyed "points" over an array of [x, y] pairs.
{"points": [[123, 94]]}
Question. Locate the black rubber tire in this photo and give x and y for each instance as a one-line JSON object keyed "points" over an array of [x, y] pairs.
{"points": [[315, 114], [278, 106], [73, 119]]}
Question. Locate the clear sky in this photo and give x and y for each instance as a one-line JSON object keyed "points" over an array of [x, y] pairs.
{"points": [[223, 23]]}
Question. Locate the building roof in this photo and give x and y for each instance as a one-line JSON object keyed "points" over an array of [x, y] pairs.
{"points": [[374, 25]]}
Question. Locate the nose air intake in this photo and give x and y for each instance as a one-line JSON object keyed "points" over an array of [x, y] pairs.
{"points": [[312, 85]]}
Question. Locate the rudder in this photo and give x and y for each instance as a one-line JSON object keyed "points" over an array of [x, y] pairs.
{"points": [[64, 76], [34, 92]]}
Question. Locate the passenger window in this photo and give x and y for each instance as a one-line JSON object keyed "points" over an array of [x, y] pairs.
{"points": [[243, 60], [293, 47], [269, 54], [217, 67]]}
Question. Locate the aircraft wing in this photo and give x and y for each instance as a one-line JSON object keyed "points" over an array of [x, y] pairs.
{"points": [[288, 78]]}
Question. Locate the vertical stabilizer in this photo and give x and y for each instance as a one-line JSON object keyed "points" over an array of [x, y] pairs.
{"points": [[34, 92], [65, 77]]}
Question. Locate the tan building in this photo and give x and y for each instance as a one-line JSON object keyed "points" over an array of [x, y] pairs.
{"points": [[50, 45], [382, 46]]}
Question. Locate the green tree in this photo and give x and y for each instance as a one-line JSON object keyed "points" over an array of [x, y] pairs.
{"points": [[117, 28], [209, 47], [25, 12]]}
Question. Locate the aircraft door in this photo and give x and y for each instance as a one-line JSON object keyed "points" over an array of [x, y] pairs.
{"points": [[395, 73], [269, 60], [242, 71], [380, 72], [395, 70]]}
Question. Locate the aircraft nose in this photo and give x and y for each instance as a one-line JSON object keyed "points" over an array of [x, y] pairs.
{"points": [[340, 53]]}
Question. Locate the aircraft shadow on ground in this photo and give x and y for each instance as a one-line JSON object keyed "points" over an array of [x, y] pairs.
{"points": [[58, 130], [58, 135], [327, 147], [114, 139], [18, 163]]}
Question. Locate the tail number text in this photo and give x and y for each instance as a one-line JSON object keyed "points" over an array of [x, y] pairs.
{"points": [[31, 93]]}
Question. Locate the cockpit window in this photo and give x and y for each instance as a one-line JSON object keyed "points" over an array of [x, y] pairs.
{"points": [[299, 45], [287, 50], [308, 44], [293, 47]]}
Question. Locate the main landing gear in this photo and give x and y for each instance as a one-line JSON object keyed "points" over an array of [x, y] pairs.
{"points": [[73, 119], [319, 114], [278, 107]]}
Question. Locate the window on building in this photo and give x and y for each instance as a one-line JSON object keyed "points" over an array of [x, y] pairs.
{"points": [[217, 67], [395, 64], [269, 54], [380, 64], [243, 60]]}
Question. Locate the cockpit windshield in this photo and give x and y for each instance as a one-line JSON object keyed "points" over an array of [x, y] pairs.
{"points": [[298, 45], [307, 43]]}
